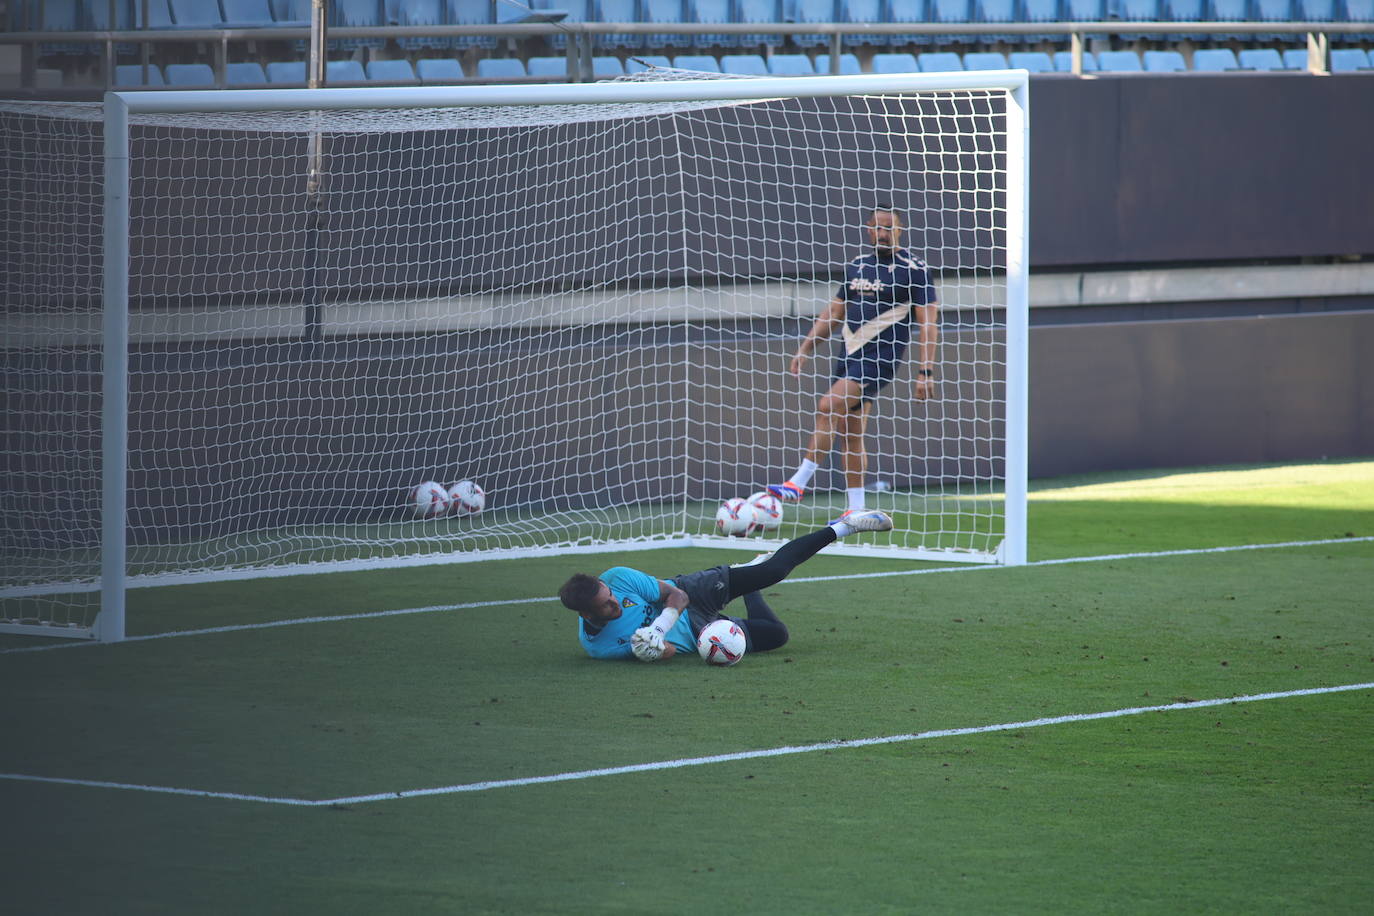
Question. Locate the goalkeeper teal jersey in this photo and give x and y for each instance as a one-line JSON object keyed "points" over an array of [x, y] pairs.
{"points": [[638, 594]]}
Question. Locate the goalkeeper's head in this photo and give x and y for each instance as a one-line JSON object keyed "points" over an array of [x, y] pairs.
{"points": [[590, 598], [885, 230]]}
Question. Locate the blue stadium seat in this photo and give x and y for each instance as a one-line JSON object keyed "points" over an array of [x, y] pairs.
{"points": [[1140, 10], [358, 13], [939, 61], [548, 66], [748, 64], [1083, 10], [849, 64], [995, 11], [1033, 61], [814, 11], [1348, 60], [944, 11], [1214, 60], [500, 68], [748, 11], [1164, 62], [425, 12], [344, 71], [1041, 11], [708, 11], [288, 11], [790, 65], [1315, 10], [198, 75], [985, 60], [617, 11], [661, 11], [439, 70], [1295, 59], [1228, 11], [246, 14], [97, 15], [195, 14], [908, 11], [1063, 61], [895, 63], [703, 63], [248, 73], [390, 71], [863, 11], [1119, 62], [477, 12], [1357, 11], [1260, 59], [641, 62], [291, 71], [604, 67], [132, 75], [159, 15], [1183, 10], [577, 11]]}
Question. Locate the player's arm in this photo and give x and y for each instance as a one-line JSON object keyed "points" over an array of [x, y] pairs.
{"points": [[923, 368], [648, 642], [826, 323]]}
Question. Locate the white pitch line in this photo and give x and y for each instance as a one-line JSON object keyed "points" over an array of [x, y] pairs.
{"points": [[791, 580], [655, 766]]}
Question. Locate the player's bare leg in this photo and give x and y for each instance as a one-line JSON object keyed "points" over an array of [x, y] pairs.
{"points": [[832, 414]]}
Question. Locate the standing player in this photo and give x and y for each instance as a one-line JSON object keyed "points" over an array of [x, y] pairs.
{"points": [[628, 613], [883, 295]]}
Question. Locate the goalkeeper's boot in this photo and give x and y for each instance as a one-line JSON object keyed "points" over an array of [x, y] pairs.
{"points": [[865, 520], [788, 492]]}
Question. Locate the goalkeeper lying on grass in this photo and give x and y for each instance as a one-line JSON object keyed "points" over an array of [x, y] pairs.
{"points": [[628, 613]]}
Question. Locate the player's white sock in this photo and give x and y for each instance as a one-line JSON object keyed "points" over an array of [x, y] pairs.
{"points": [[804, 473], [856, 497]]}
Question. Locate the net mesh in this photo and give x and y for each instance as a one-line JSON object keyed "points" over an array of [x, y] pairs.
{"points": [[588, 310]]}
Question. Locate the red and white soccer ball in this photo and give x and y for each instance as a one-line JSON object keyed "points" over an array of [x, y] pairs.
{"points": [[736, 517], [767, 509], [467, 498], [721, 643], [428, 500]]}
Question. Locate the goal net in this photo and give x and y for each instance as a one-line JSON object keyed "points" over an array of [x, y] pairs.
{"points": [[583, 299]]}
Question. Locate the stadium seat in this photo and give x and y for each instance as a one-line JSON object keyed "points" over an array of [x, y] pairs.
{"points": [[358, 13], [1063, 61], [577, 11], [984, 60], [895, 63], [1033, 61], [702, 63], [1260, 59], [1140, 10], [813, 11], [939, 61], [1357, 11], [390, 71], [661, 11], [500, 68], [603, 67], [291, 71], [1228, 11], [98, 15], [344, 71], [439, 70], [195, 14], [1214, 60], [159, 15], [132, 75], [748, 64], [1119, 62], [617, 11], [1083, 10], [790, 65], [288, 11], [1041, 11], [247, 14], [641, 62], [907, 11], [849, 64], [548, 66], [995, 11], [748, 11], [249, 73], [199, 75], [946, 11], [1165, 62], [427, 12], [1295, 59], [1183, 10], [1314, 10], [1348, 60], [863, 11]]}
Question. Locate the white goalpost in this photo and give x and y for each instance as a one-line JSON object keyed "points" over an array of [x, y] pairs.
{"points": [[242, 326]]}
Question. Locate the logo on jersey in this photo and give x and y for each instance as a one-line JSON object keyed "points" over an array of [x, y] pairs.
{"points": [[627, 603], [865, 285]]}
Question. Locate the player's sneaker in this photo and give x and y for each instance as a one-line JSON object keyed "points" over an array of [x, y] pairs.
{"points": [[787, 492], [866, 520]]}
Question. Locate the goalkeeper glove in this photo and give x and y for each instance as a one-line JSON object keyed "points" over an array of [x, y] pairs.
{"points": [[647, 644]]}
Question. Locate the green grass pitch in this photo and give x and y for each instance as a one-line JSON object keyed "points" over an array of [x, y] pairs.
{"points": [[1265, 805]]}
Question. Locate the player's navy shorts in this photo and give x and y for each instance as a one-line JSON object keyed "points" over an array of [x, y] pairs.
{"points": [[708, 591], [874, 371]]}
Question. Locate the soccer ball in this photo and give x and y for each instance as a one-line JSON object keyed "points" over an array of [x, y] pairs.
{"points": [[428, 500], [721, 643], [467, 498], [768, 509], [736, 517]]}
